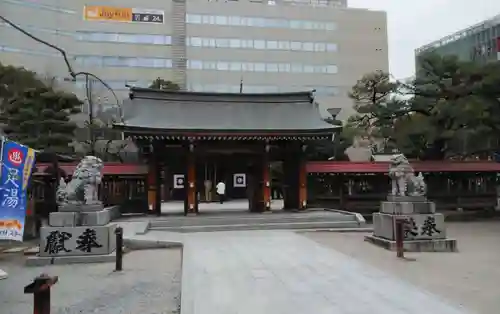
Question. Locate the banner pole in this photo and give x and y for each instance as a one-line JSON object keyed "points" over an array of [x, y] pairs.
{"points": [[1, 156]]}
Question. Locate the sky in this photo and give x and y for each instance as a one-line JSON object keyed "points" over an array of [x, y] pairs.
{"points": [[414, 23]]}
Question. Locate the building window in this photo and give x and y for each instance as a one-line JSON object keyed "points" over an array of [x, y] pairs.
{"points": [[193, 19], [29, 52], [210, 65], [260, 44], [260, 67], [284, 67], [37, 5], [195, 41], [117, 85], [308, 46], [234, 43], [319, 47], [222, 66], [118, 61], [235, 66], [295, 45], [195, 64], [296, 68], [146, 39], [248, 88], [331, 69], [308, 68], [222, 43], [331, 47], [259, 22], [272, 45], [272, 67]]}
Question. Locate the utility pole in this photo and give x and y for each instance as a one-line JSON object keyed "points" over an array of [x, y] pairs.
{"points": [[88, 88]]}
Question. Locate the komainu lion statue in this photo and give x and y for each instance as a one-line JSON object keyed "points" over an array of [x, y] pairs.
{"points": [[403, 180], [83, 187]]}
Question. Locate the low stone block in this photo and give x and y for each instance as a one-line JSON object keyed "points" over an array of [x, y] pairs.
{"points": [[433, 245], [69, 208], [417, 227], [406, 198], [406, 208], [424, 207], [75, 241], [60, 260], [99, 218], [3, 275], [81, 208], [63, 219], [114, 212]]}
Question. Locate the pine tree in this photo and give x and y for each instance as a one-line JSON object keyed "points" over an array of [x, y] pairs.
{"points": [[162, 84], [14, 80], [39, 117]]}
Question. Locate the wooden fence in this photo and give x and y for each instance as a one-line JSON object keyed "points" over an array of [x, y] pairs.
{"points": [[363, 193], [128, 191]]}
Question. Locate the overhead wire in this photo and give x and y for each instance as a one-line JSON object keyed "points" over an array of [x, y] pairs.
{"points": [[66, 61]]}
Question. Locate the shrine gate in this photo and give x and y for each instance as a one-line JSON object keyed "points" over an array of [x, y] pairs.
{"points": [[188, 138]]}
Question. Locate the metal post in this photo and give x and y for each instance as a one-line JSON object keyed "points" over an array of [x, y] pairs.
{"points": [[119, 249], [40, 288], [400, 237]]}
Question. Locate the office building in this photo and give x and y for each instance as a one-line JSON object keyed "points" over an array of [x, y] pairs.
{"points": [[261, 46], [478, 43]]}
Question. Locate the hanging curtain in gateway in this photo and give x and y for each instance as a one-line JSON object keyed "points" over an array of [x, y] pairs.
{"points": [[17, 164]]}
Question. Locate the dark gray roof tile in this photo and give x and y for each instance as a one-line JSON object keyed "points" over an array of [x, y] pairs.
{"points": [[211, 111]]}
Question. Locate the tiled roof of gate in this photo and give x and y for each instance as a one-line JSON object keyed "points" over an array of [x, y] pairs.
{"points": [[192, 111]]}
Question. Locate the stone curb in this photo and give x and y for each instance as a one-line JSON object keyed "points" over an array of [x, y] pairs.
{"points": [[142, 244], [359, 218], [338, 230]]}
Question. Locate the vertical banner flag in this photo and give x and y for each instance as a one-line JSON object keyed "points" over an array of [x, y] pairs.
{"points": [[17, 163]]}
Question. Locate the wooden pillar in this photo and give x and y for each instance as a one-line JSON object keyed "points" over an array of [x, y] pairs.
{"points": [[191, 202], [158, 165], [302, 184], [152, 161], [266, 180], [154, 180]]}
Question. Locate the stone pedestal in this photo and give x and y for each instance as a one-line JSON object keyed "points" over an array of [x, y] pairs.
{"points": [[72, 219], [408, 206], [417, 227], [81, 236], [424, 230]]}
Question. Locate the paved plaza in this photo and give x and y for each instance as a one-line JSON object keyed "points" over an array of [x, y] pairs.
{"points": [[275, 272], [470, 277], [283, 272], [149, 284]]}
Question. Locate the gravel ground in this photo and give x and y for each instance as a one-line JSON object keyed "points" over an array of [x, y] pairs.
{"points": [[149, 284], [470, 277]]}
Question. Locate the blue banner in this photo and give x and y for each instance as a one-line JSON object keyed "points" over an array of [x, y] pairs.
{"points": [[17, 163]]}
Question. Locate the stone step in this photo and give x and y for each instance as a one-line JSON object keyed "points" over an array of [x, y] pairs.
{"points": [[249, 220], [260, 226]]}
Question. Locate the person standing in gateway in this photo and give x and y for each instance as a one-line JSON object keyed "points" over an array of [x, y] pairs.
{"points": [[221, 191]]}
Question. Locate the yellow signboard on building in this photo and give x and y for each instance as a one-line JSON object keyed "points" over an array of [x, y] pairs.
{"points": [[115, 14]]}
